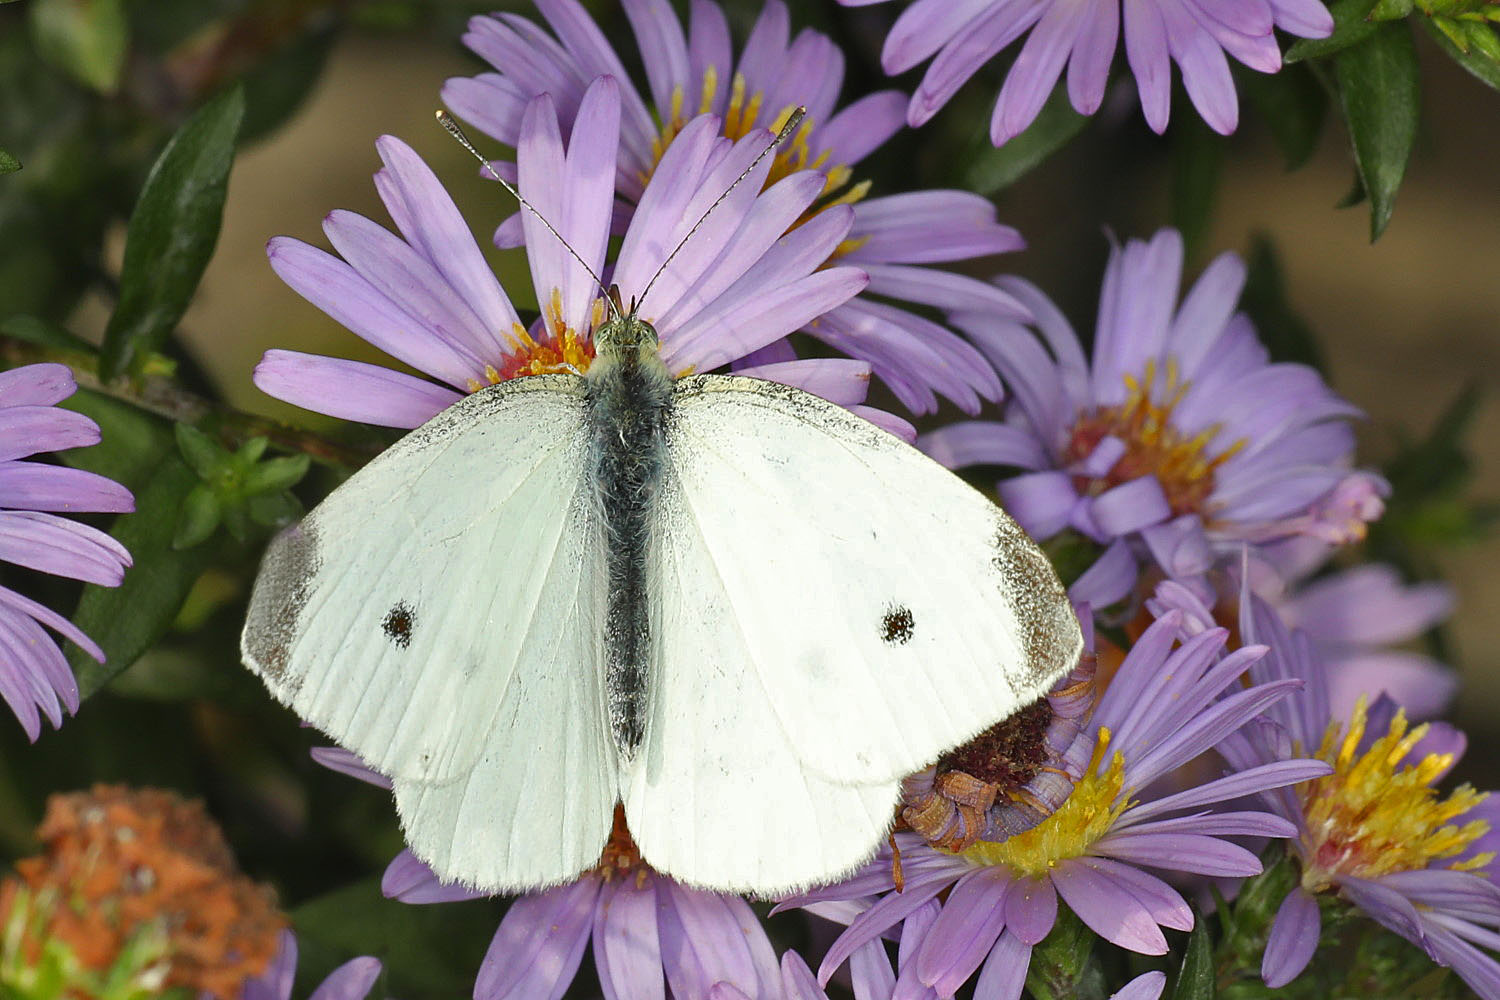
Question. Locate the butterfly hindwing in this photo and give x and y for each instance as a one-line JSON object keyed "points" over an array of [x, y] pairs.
{"points": [[436, 615]]}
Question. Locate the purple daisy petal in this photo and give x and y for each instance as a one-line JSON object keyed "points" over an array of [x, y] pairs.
{"points": [[276, 982], [707, 937], [1030, 909], [61, 547], [1004, 973], [33, 486], [26, 430], [410, 880], [965, 931], [1162, 903], [539, 944], [627, 944], [1108, 909], [335, 288], [367, 393], [51, 619], [350, 981], [888, 912], [844, 381], [980, 442], [1041, 502], [44, 384], [1146, 986], [1109, 579], [1037, 68], [347, 762], [1293, 939]]}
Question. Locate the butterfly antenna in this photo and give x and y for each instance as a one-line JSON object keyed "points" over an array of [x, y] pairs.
{"points": [[786, 132], [452, 128]]}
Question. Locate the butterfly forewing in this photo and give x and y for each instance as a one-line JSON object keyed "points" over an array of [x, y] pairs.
{"points": [[436, 614]]}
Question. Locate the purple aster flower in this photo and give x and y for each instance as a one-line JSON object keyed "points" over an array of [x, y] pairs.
{"points": [[1374, 831], [34, 676], [700, 72], [1354, 617], [350, 981], [1179, 442], [1195, 34], [428, 298], [647, 930], [980, 908]]}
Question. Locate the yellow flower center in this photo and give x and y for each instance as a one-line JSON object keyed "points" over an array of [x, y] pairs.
{"points": [[1373, 816], [1153, 446], [1090, 811], [796, 153]]}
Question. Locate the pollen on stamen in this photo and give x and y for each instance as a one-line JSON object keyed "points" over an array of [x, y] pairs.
{"points": [[1181, 463], [556, 348], [1375, 814]]}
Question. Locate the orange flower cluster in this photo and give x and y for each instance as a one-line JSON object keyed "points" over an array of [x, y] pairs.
{"points": [[119, 860]]}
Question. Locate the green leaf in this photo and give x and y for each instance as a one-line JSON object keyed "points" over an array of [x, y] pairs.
{"points": [[172, 234], [127, 620], [198, 518], [8, 163], [202, 452], [991, 170], [277, 474], [1351, 25], [1195, 980], [274, 510], [1474, 60], [1391, 10], [1378, 83], [1294, 106], [84, 38]]}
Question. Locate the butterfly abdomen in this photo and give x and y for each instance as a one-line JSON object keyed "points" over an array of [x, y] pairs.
{"points": [[629, 405]]}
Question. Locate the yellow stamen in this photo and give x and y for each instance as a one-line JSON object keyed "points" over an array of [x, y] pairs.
{"points": [[1373, 816], [1153, 446], [1090, 811]]}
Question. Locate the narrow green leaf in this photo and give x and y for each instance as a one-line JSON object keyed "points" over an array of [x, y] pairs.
{"points": [[201, 452], [172, 233], [1391, 10], [991, 170], [127, 620], [84, 38], [1294, 106], [1195, 980], [1378, 83], [274, 510], [198, 518], [1351, 25], [1474, 60], [8, 163], [276, 475]]}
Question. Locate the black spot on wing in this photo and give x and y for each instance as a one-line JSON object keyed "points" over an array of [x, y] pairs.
{"points": [[399, 623], [896, 626]]}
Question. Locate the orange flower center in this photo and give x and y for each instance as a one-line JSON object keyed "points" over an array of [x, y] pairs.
{"points": [[119, 863], [1181, 463]]}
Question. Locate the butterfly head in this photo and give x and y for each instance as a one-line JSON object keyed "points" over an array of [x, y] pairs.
{"points": [[624, 333]]}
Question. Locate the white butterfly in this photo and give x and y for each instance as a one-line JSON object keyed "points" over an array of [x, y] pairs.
{"points": [[733, 607]]}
